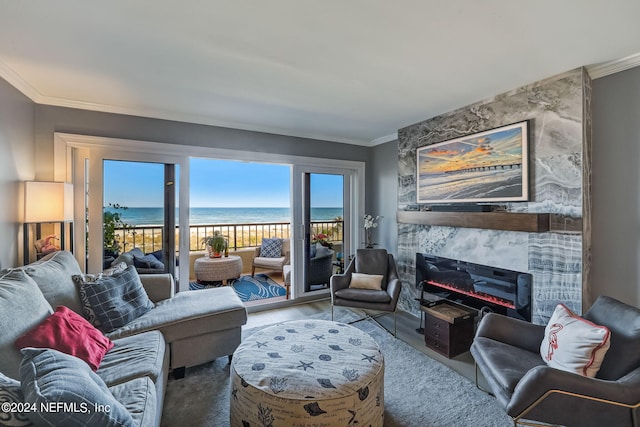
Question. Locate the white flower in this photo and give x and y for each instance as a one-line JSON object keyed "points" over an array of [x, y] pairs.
{"points": [[371, 221]]}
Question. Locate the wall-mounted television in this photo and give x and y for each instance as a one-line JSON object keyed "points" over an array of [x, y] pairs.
{"points": [[489, 166]]}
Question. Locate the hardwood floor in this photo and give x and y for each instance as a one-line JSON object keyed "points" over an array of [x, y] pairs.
{"points": [[407, 324], [295, 312]]}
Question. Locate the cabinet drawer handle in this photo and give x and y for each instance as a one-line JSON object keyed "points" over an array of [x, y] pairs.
{"points": [[436, 325], [437, 335]]}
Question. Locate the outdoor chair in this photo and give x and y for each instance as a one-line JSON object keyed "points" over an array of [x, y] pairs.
{"points": [[320, 268], [268, 257], [370, 282], [150, 263], [507, 352]]}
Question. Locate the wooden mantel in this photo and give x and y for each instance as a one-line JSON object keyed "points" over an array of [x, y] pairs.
{"points": [[509, 221]]}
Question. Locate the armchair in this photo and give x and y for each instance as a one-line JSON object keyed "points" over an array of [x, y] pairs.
{"points": [[507, 352], [372, 262], [271, 263], [320, 268]]}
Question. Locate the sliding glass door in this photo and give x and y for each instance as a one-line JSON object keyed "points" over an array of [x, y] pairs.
{"points": [[133, 203], [323, 221], [325, 199], [139, 221], [323, 213]]}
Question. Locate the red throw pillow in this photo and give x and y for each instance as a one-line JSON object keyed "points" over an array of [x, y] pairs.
{"points": [[69, 333]]}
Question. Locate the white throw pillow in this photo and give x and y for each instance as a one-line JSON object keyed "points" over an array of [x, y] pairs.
{"points": [[366, 281], [574, 344]]}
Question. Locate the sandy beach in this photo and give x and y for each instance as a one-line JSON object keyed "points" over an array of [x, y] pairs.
{"points": [[149, 238]]}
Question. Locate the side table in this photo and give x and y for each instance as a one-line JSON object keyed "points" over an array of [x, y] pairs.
{"points": [[448, 328], [217, 269]]}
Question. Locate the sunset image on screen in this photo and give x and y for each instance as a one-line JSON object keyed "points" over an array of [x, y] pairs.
{"points": [[488, 166]]}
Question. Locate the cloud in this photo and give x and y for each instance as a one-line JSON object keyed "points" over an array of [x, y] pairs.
{"points": [[443, 152], [484, 149]]}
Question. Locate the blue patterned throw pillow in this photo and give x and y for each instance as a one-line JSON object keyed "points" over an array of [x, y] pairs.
{"points": [[79, 279], [11, 394], [271, 248], [118, 299], [50, 377], [147, 261]]}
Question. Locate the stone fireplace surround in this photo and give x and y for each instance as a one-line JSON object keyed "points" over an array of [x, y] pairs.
{"points": [[560, 175]]}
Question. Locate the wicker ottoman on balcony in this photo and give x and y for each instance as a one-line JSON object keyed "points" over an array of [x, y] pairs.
{"points": [[307, 373], [209, 270]]}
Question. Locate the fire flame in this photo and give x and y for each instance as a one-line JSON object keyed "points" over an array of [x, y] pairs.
{"points": [[484, 297]]}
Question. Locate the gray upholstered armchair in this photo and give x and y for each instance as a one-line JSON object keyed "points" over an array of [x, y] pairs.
{"points": [[370, 262], [507, 352]]}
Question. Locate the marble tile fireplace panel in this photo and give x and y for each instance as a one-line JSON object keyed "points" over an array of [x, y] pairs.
{"points": [[555, 262], [559, 162]]}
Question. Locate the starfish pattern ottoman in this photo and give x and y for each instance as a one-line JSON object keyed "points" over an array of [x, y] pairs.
{"points": [[307, 373]]}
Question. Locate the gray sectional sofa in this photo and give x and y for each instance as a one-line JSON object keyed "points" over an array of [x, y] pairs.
{"points": [[181, 330]]}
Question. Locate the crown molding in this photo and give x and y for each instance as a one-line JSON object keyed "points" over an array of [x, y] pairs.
{"points": [[604, 69], [19, 83], [595, 71], [384, 139], [190, 118], [29, 91]]}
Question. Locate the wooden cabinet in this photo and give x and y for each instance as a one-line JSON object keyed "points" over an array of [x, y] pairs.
{"points": [[448, 328]]}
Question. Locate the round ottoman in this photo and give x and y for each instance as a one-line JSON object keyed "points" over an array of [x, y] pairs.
{"points": [[307, 373], [217, 269]]}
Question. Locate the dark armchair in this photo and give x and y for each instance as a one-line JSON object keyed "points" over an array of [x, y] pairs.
{"points": [[507, 352], [374, 262], [320, 268], [151, 263]]}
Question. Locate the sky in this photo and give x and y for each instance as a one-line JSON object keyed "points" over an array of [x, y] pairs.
{"points": [[215, 183], [491, 148]]}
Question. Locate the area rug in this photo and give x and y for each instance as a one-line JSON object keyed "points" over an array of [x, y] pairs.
{"points": [[249, 288], [419, 391]]}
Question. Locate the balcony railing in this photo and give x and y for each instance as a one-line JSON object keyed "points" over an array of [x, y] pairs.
{"points": [[239, 236]]}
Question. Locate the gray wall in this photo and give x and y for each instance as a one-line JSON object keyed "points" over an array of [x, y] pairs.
{"points": [[58, 119], [616, 186], [382, 182], [17, 164]]}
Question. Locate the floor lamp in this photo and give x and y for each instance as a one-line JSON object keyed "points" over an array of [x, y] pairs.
{"points": [[47, 202]]}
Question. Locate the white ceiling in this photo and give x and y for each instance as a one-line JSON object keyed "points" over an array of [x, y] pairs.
{"points": [[351, 71]]}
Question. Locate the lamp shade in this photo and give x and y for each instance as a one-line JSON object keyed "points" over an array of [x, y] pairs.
{"points": [[48, 201]]}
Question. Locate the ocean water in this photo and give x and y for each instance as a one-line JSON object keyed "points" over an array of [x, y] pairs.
{"points": [[471, 185], [199, 216]]}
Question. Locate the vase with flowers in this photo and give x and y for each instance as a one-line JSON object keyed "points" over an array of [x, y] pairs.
{"points": [[370, 222], [323, 239]]}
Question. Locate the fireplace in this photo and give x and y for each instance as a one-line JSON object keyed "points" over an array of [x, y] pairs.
{"points": [[477, 286]]}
